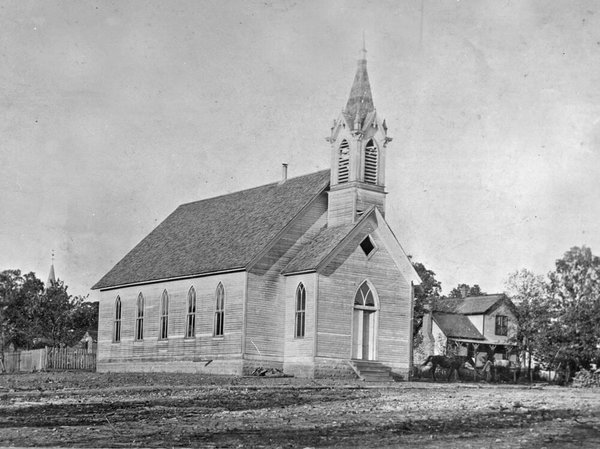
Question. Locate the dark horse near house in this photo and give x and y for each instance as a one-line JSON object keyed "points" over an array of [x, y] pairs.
{"points": [[451, 364]]}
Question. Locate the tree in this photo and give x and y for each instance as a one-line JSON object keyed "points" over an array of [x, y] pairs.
{"points": [[529, 293], [475, 290], [31, 316], [18, 296], [575, 292], [61, 319], [429, 290]]}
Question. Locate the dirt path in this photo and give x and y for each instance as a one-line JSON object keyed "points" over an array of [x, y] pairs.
{"points": [[102, 410]]}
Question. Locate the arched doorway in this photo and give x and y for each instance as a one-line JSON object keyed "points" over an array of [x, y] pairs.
{"points": [[364, 324]]}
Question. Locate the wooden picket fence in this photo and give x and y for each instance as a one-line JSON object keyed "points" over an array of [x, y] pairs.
{"points": [[45, 359], [70, 359]]}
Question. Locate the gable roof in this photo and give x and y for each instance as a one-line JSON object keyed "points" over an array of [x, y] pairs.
{"points": [[216, 234], [471, 305], [315, 251], [457, 326]]}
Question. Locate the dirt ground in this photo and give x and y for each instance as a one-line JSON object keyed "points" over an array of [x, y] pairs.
{"points": [[180, 410]]}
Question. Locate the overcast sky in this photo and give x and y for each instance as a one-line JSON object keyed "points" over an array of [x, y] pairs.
{"points": [[114, 113]]}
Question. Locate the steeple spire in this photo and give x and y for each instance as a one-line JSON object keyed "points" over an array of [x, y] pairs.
{"points": [[51, 277], [360, 102]]}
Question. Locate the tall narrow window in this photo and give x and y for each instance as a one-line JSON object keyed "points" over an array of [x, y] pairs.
{"points": [[501, 325], [139, 321], [117, 322], [371, 162], [190, 321], [164, 316], [343, 162], [300, 315], [219, 311]]}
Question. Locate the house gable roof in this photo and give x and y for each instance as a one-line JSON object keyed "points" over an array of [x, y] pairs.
{"points": [[471, 305], [217, 234], [457, 326]]}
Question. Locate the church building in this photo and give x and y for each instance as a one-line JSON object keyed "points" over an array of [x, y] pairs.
{"points": [[303, 275]]}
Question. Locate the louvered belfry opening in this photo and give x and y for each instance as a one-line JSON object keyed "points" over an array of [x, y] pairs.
{"points": [[371, 162], [344, 162]]}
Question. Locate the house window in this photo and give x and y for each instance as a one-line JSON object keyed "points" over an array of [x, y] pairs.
{"points": [[139, 321], [501, 325], [371, 162], [164, 316], [117, 322], [219, 311], [343, 162], [300, 315], [190, 320], [367, 246]]}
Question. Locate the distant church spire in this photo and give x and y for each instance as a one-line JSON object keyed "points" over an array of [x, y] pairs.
{"points": [[51, 276]]}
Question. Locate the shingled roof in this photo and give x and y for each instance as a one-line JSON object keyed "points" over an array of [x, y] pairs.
{"points": [[471, 305], [216, 234], [313, 253], [457, 326]]}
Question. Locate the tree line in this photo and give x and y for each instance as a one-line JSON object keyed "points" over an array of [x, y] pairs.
{"points": [[33, 315], [558, 314]]}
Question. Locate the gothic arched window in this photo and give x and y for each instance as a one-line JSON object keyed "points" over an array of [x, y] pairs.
{"points": [[139, 321], [371, 156], [300, 314], [190, 322], [164, 316], [343, 162], [117, 322], [219, 311], [364, 296]]}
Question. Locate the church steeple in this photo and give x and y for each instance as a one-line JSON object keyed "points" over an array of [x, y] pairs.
{"points": [[360, 101], [358, 143], [51, 276]]}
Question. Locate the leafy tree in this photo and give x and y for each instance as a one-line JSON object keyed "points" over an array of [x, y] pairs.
{"points": [[18, 294], [31, 316], [429, 290], [475, 290], [529, 293], [58, 316], [575, 292]]}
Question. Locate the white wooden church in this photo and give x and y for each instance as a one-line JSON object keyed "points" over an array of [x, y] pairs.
{"points": [[303, 275]]}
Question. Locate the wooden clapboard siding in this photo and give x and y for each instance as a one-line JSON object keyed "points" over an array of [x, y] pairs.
{"points": [[338, 284], [366, 198], [175, 348], [489, 324], [342, 206], [297, 349], [265, 310]]}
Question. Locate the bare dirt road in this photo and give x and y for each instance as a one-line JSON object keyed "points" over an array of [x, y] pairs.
{"points": [[178, 410]]}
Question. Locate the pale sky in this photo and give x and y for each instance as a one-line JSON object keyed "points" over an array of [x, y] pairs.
{"points": [[114, 113]]}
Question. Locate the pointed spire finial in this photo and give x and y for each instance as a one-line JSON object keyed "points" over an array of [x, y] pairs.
{"points": [[364, 48]]}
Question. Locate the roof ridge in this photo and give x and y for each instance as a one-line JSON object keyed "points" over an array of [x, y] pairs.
{"points": [[275, 183]]}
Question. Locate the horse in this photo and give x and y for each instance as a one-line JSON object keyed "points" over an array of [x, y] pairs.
{"points": [[450, 363]]}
